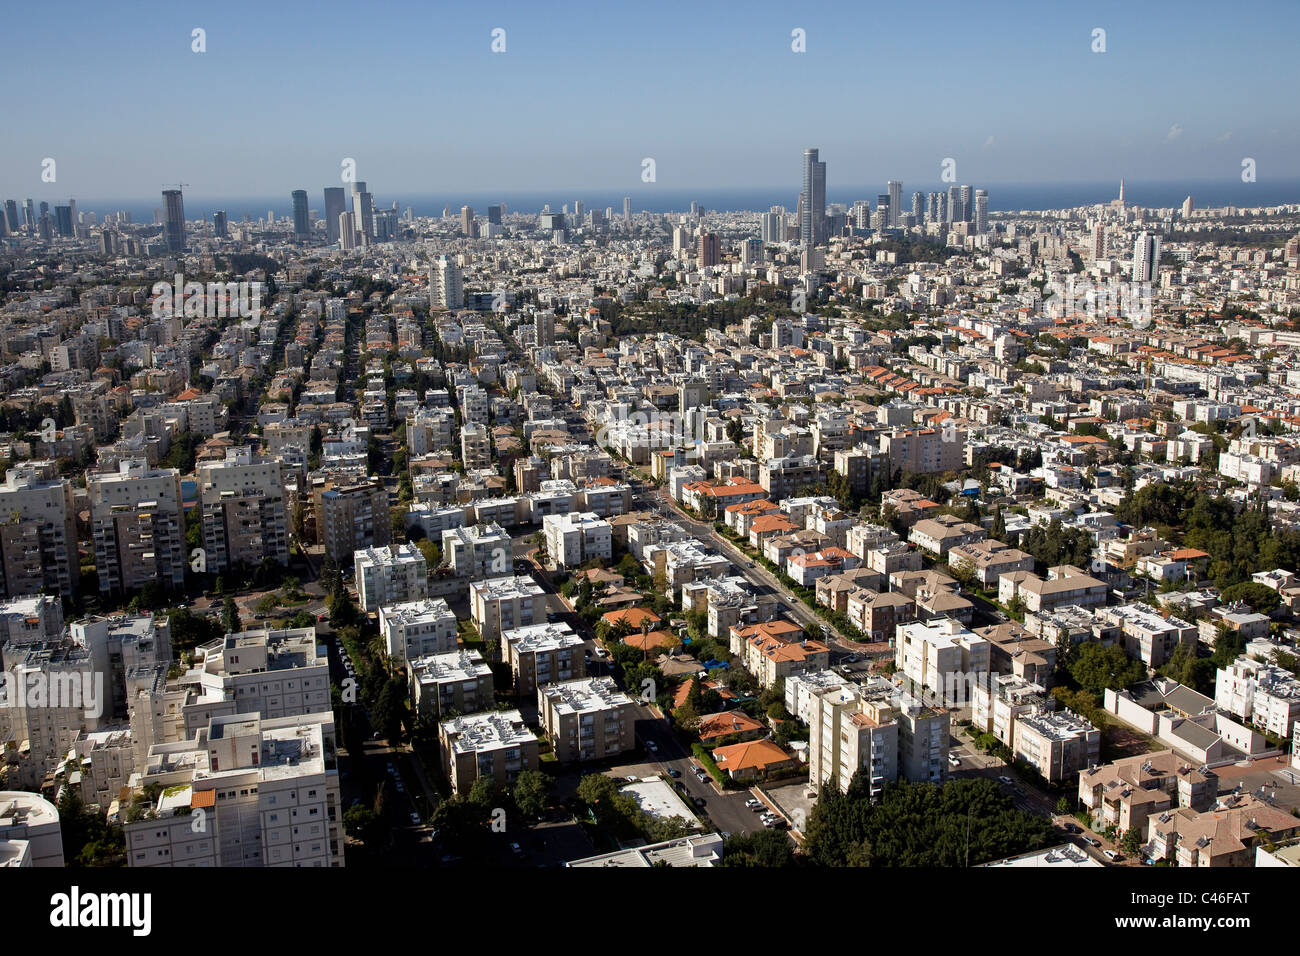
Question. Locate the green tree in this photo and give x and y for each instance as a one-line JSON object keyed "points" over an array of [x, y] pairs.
{"points": [[1097, 669], [230, 616], [532, 793]]}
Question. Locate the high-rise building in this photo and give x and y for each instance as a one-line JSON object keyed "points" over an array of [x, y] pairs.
{"points": [[445, 291], [11, 214], [38, 537], [886, 214], [918, 208], [350, 518], [981, 212], [772, 227], [174, 219], [135, 518], [301, 224], [242, 508], [627, 208], [1146, 257], [347, 231], [494, 215], [895, 202], [954, 204], [1097, 241], [363, 213], [63, 220], [29, 215], [710, 249], [1188, 206], [812, 224], [335, 205], [467, 220], [544, 328], [220, 228], [966, 205]]}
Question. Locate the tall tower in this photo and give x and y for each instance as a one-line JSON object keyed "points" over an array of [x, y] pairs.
{"points": [[981, 211], [174, 220], [445, 285], [710, 247], [335, 204], [301, 225], [363, 212], [220, 228], [895, 202], [627, 208], [1146, 257], [812, 224]]}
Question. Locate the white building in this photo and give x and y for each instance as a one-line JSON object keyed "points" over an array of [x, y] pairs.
{"points": [[941, 655], [576, 537], [502, 604], [30, 818], [390, 575], [477, 552], [457, 681], [417, 628]]}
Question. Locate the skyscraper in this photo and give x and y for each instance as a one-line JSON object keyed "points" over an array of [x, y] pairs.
{"points": [[174, 220], [918, 208], [363, 212], [335, 204], [445, 290], [895, 202], [627, 208], [347, 231], [467, 220], [1097, 242], [63, 220], [219, 226], [494, 215], [301, 224], [771, 227], [966, 206], [981, 211], [11, 214], [29, 214], [954, 204], [710, 249], [1146, 257], [812, 223]]}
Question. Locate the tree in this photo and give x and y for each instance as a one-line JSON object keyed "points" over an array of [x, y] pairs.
{"points": [[766, 848], [230, 616], [1261, 598], [1097, 669], [532, 793], [1132, 841]]}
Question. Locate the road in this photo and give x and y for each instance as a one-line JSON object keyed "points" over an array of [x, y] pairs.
{"points": [[661, 501]]}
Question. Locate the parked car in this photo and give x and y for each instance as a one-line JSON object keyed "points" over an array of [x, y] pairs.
{"points": [[1111, 855], [1091, 841], [516, 849], [753, 803], [954, 761], [1005, 779], [1072, 828], [674, 774], [651, 746]]}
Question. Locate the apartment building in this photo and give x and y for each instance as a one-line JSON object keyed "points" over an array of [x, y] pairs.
{"points": [[541, 654], [495, 744], [941, 655], [586, 719], [242, 510], [771, 659], [877, 614], [998, 702], [390, 575], [503, 604], [268, 672], [1057, 744], [1146, 635], [1127, 792], [577, 537], [135, 518], [38, 533], [455, 681], [1227, 835], [988, 560], [848, 733], [782, 477], [414, 629], [33, 820], [477, 551], [1266, 695], [351, 518], [942, 533], [1064, 585], [924, 450], [246, 791]]}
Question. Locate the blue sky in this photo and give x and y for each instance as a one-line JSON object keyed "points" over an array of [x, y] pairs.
{"points": [[585, 91]]}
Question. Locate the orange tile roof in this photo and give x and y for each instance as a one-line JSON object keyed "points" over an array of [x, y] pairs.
{"points": [[750, 755], [635, 616]]}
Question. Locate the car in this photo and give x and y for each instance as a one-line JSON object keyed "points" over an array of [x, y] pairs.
{"points": [[631, 779], [851, 659], [954, 761], [322, 617], [725, 835], [759, 809], [1005, 779], [516, 849], [1072, 828], [1091, 841], [1111, 855], [753, 803], [674, 774], [415, 819], [767, 822], [651, 746], [698, 801]]}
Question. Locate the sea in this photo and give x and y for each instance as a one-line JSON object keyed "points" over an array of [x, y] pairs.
{"points": [[1003, 197]]}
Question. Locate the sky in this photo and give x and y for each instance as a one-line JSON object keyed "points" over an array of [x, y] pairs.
{"points": [[586, 91]]}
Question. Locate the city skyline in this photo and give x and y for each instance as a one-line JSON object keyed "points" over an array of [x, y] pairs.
{"points": [[1059, 112]]}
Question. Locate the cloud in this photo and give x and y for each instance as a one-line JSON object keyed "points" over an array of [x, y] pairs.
{"points": [[1175, 131], [988, 143], [1223, 137]]}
